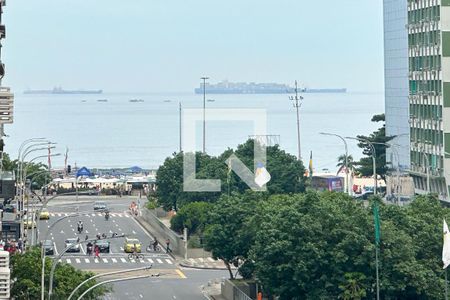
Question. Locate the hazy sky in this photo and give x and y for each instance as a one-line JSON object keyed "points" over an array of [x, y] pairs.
{"points": [[166, 45]]}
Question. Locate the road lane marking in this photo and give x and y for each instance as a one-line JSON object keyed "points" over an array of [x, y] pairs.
{"points": [[59, 215], [134, 232], [201, 259], [132, 260], [96, 260], [123, 260], [210, 259], [105, 260], [121, 248], [87, 231], [66, 216], [169, 262], [68, 260], [114, 260], [82, 250], [150, 260], [86, 260], [99, 214], [120, 229], [77, 260], [159, 261], [127, 216], [180, 273], [93, 215]]}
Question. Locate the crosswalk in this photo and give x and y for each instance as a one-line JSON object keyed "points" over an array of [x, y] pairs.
{"points": [[117, 260], [120, 215]]}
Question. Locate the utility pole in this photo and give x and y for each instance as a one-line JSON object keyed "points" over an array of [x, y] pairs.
{"points": [[181, 149], [297, 104], [204, 112]]}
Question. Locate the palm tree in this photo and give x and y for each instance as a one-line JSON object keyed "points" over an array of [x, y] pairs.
{"points": [[350, 162]]}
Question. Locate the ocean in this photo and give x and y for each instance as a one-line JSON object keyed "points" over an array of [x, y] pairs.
{"points": [[120, 134]]}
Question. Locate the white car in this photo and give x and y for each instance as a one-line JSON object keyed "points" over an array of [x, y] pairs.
{"points": [[75, 245]]}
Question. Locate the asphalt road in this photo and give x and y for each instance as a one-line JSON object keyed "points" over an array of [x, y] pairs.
{"points": [[166, 281], [189, 288]]}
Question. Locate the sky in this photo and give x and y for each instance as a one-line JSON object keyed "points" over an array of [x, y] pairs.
{"points": [[167, 45]]}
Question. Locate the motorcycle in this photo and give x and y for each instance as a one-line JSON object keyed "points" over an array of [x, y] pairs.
{"points": [[80, 229], [107, 217], [89, 250]]}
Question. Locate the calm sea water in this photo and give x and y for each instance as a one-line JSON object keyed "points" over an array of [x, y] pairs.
{"points": [[119, 133]]}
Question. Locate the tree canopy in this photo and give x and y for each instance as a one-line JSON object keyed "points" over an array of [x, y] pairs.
{"points": [[286, 172], [26, 275], [379, 139]]}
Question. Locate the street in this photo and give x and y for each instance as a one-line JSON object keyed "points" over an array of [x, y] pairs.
{"points": [[168, 280]]}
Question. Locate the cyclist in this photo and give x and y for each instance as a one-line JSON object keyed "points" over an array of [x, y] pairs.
{"points": [[155, 244]]}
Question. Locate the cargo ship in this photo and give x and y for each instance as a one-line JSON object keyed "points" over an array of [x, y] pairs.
{"points": [[61, 91], [225, 87]]}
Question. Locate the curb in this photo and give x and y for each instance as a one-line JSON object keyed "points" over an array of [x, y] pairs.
{"points": [[202, 268]]}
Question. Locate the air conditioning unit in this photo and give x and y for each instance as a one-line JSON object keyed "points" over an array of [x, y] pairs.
{"points": [[5, 280]]}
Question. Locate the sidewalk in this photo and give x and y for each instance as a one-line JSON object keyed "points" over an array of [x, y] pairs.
{"points": [[204, 263]]}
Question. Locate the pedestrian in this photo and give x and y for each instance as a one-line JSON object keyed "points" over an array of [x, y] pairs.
{"points": [[168, 246], [20, 245], [97, 251]]}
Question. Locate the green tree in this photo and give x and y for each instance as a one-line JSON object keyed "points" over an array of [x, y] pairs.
{"points": [[228, 235], [193, 216], [286, 171], [26, 275], [321, 246], [351, 164], [379, 138]]}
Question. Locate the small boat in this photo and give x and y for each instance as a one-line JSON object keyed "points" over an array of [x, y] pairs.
{"points": [[136, 100], [102, 100], [83, 100], [211, 100], [167, 101]]}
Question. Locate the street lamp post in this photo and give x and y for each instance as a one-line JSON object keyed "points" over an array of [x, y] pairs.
{"points": [[297, 104], [204, 112], [347, 189], [374, 160], [111, 281], [107, 274]]}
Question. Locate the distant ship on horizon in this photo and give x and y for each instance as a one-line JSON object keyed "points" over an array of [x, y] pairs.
{"points": [[61, 91], [226, 87]]}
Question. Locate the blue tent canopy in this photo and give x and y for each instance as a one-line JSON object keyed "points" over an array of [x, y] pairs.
{"points": [[84, 172]]}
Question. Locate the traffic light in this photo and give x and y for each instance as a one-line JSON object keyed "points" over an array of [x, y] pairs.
{"points": [[69, 169]]}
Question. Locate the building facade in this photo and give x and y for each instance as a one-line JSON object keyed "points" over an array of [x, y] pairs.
{"points": [[396, 83], [429, 94]]}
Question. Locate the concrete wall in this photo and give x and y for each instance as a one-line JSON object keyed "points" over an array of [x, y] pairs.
{"points": [[162, 232]]}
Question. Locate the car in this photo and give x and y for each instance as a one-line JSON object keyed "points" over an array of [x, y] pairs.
{"points": [[9, 208], [48, 247], [364, 196], [100, 205], [44, 215], [29, 223], [75, 245], [130, 244], [103, 246]]}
